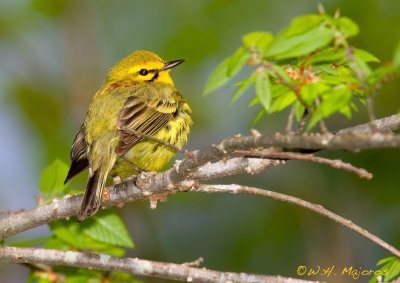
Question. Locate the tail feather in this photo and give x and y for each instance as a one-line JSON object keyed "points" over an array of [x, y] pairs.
{"points": [[93, 195], [76, 168]]}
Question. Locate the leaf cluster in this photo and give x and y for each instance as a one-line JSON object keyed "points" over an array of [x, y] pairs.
{"points": [[309, 66], [105, 233]]}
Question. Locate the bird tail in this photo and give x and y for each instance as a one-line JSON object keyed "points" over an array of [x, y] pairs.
{"points": [[93, 195]]}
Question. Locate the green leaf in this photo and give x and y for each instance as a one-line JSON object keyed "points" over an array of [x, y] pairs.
{"points": [[263, 90], [310, 91], [242, 87], [121, 277], [331, 103], [69, 234], [348, 27], [237, 61], [396, 57], [302, 24], [258, 117], [29, 242], [365, 55], [296, 46], [107, 227], [361, 66], [225, 71], [328, 55], [279, 73], [51, 182], [298, 110], [282, 101], [390, 269], [258, 39]]}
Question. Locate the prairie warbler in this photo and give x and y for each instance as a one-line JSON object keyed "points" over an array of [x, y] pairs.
{"points": [[137, 100]]}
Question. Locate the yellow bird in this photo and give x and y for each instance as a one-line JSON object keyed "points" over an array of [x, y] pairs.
{"points": [[137, 100]]}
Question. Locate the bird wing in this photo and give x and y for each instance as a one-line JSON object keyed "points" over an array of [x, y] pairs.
{"points": [[145, 115], [79, 161]]}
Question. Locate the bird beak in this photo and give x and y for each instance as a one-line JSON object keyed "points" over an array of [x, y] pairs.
{"points": [[172, 64]]}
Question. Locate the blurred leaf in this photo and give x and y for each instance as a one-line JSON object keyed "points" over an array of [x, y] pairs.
{"points": [[237, 61], [73, 234], [298, 110], [310, 91], [393, 265], [259, 115], [107, 227], [80, 275], [51, 183], [302, 24], [258, 39], [226, 70], [332, 102], [29, 242], [279, 73], [365, 55], [361, 66], [282, 101], [49, 7], [242, 87], [296, 46], [263, 90], [348, 26], [396, 57], [121, 277], [328, 55]]}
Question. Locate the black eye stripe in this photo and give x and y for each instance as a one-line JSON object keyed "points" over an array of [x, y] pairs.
{"points": [[145, 72]]}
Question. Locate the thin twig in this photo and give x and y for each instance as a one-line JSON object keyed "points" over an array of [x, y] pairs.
{"points": [[371, 112], [273, 154], [135, 266], [238, 189], [289, 125], [302, 123]]}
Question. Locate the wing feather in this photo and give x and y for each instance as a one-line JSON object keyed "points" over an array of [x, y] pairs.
{"points": [[145, 114]]}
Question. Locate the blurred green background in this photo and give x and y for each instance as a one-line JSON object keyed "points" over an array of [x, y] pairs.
{"points": [[54, 56]]}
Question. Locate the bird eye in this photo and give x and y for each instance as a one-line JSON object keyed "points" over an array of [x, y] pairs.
{"points": [[143, 72]]}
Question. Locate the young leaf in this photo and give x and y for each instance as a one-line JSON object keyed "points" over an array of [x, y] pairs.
{"points": [[298, 110], [365, 55], [243, 86], [328, 55], [348, 27], [296, 46], [332, 102], [310, 91], [107, 227], [258, 39], [282, 101], [258, 117], [263, 90], [226, 70], [51, 182], [302, 24], [361, 66], [70, 234]]}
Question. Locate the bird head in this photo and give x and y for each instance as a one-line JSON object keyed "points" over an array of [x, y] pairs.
{"points": [[143, 66]]}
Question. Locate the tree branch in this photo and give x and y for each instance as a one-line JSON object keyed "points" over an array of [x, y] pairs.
{"points": [[274, 154], [182, 272], [212, 162]]}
